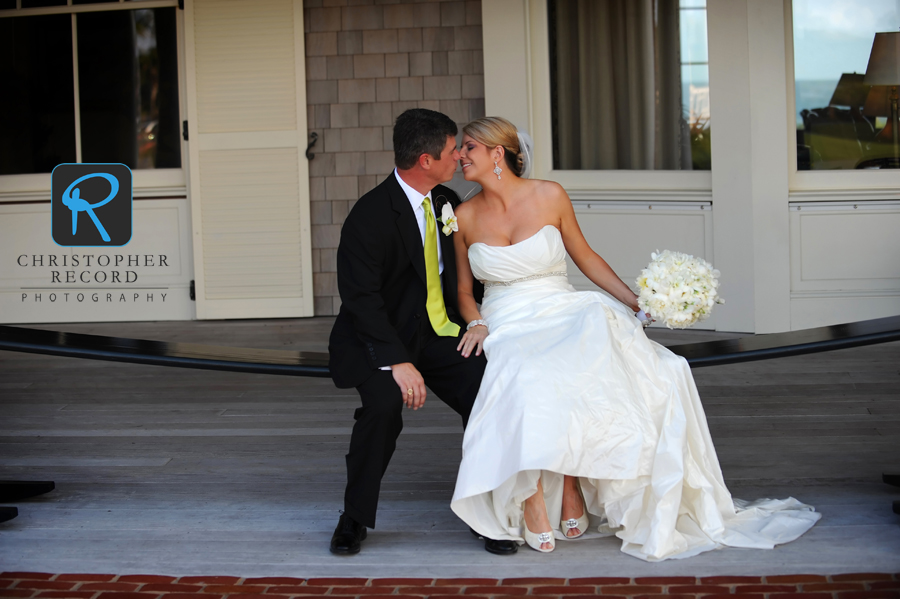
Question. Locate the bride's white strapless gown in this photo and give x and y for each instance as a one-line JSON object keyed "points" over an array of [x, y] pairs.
{"points": [[574, 386]]}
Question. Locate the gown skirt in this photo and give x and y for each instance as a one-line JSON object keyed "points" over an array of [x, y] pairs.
{"points": [[574, 387]]}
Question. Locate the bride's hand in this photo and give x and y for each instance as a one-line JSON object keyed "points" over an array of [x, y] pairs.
{"points": [[473, 338]]}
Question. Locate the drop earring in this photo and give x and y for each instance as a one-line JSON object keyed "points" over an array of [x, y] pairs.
{"points": [[497, 170]]}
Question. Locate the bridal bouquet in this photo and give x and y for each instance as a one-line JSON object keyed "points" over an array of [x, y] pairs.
{"points": [[678, 289]]}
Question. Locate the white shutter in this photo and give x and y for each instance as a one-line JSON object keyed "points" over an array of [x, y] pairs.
{"points": [[248, 174]]}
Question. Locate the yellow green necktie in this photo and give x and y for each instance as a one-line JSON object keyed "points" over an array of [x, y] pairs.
{"points": [[437, 312]]}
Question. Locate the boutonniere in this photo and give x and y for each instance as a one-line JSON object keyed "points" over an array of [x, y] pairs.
{"points": [[448, 219]]}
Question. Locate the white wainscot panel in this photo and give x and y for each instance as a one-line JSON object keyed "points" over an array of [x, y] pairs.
{"points": [[147, 279], [844, 264], [626, 233]]}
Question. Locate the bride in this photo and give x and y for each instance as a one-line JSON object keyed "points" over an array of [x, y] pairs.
{"points": [[582, 424]]}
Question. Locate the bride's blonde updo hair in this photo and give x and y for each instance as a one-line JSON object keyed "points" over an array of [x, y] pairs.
{"points": [[494, 131]]}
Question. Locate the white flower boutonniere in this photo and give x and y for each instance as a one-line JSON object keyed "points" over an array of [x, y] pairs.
{"points": [[448, 219]]}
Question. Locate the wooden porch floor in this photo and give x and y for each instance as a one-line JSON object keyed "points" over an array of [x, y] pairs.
{"points": [[188, 472]]}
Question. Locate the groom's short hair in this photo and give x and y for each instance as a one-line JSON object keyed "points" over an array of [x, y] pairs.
{"points": [[420, 131]]}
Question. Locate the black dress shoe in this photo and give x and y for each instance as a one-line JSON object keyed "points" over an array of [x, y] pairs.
{"points": [[347, 536], [496, 547]]}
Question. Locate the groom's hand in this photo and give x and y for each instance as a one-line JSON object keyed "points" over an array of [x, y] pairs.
{"points": [[408, 378]]}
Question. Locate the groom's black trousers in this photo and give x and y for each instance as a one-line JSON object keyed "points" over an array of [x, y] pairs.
{"points": [[451, 377]]}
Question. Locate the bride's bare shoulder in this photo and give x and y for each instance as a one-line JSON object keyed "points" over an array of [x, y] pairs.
{"points": [[549, 191], [469, 206]]}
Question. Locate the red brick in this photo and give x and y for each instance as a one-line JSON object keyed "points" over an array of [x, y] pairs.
{"points": [[275, 580], [765, 588], [721, 596], [789, 578], [631, 589], [697, 588], [189, 596], [395, 582], [172, 587], [731, 580], [482, 582], [50, 585], [882, 594], [12, 593], [361, 590], [599, 581], [500, 595], [666, 580], [254, 596], [421, 590], [233, 588], [117, 595], [66, 594], [800, 596], [229, 580], [862, 576], [109, 586], [564, 590], [504, 589], [302, 590], [146, 578], [7, 582], [666, 597], [532, 581], [834, 586], [27, 575], [85, 577], [384, 596], [886, 584], [592, 596], [337, 582]]}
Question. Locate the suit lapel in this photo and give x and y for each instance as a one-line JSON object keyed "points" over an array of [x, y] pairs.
{"points": [[408, 227], [449, 274]]}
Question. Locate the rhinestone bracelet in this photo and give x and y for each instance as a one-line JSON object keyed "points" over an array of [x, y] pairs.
{"points": [[475, 323]]}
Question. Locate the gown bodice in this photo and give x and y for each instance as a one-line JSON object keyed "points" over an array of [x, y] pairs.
{"points": [[539, 254]]}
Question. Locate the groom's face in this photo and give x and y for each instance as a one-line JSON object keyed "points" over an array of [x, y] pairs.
{"points": [[444, 168]]}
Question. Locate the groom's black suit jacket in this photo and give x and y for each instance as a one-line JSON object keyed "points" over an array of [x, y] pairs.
{"points": [[381, 279]]}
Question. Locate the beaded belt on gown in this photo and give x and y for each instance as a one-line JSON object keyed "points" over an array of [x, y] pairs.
{"points": [[556, 273]]}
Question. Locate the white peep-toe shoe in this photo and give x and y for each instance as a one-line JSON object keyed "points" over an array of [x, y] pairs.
{"points": [[580, 523], [535, 540]]}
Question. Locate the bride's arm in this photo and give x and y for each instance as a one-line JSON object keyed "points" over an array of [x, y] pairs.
{"points": [[468, 308], [592, 265]]}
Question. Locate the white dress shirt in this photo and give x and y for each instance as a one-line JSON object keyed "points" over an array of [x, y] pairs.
{"points": [[415, 200]]}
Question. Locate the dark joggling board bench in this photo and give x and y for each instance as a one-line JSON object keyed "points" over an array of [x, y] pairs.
{"points": [[315, 364]]}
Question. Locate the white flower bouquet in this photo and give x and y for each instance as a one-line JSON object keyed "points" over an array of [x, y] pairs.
{"points": [[678, 289]]}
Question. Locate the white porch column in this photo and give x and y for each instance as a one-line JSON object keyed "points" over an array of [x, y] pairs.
{"points": [[507, 89], [750, 163]]}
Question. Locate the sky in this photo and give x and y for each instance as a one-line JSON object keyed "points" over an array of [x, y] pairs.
{"points": [[835, 36]]}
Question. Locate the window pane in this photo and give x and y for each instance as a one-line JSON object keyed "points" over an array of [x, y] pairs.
{"points": [[128, 83], [842, 123], [693, 36], [629, 84], [37, 113]]}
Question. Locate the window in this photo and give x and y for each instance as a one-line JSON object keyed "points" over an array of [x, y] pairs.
{"points": [[629, 84], [123, 106], [843, 122]]}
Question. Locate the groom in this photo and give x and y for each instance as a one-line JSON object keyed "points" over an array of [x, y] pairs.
{"points": [[399, 326]]}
